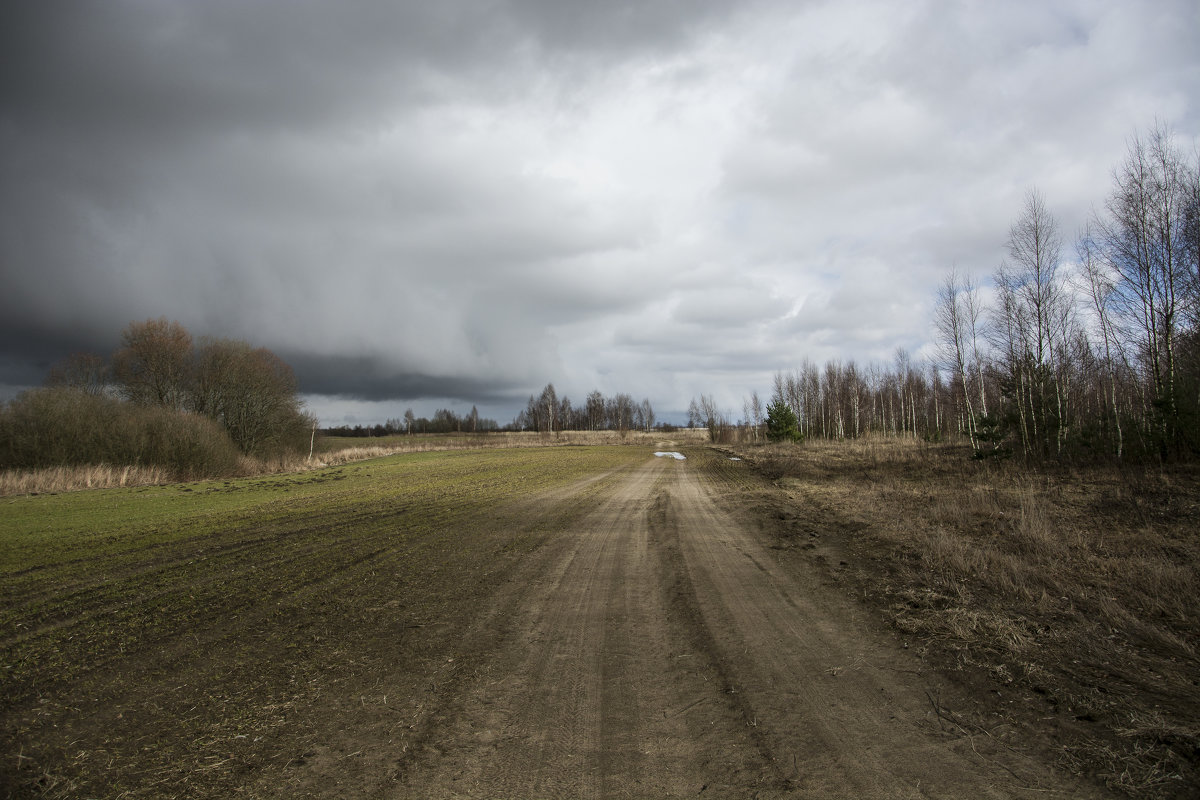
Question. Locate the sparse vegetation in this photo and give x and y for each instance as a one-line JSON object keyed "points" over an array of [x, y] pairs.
{"points": [[1079, 586]]}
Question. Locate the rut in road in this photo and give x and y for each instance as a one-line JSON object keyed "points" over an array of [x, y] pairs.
{"points": [[658, 650]]}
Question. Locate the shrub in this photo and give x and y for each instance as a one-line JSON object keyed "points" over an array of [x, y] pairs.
{"points": [[56, 427]]}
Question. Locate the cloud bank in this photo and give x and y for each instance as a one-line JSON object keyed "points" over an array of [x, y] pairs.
{"points": [[457, 202]]}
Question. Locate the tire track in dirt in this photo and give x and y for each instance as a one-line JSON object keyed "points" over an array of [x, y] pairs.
{"points": [[658, 650], [576, 702]]}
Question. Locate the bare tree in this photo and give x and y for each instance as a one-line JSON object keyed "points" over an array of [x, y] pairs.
{"points": [[853, 392], [647, 414], [973, 308], [950, 320], [86, 372], [251, 392], [619, 409], [831, 391], [153, 365], [548, 406], [753, 409], [595, 410], [1035, 246], [711, 416], [1032, 325], [1145, 235], [566, 414]]}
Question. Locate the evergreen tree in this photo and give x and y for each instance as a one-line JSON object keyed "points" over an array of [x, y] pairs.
{"points": [[781, 423]]}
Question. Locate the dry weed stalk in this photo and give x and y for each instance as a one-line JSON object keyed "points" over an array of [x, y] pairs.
{"points": [[65, 479]]}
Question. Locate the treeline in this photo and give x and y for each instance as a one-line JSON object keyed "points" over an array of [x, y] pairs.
{"points": [[839, 400], [1095, 349], [444, 421], [1088, 351], [160, 399], [547, 413]]}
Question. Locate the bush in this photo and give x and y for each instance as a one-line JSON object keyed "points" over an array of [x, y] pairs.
{"points": [[56, 427]]}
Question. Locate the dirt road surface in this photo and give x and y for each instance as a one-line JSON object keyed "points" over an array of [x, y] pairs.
{"points": [[660, 649]]}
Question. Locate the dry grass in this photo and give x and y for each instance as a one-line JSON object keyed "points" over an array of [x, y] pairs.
{"points": [[64, 479], [1079, 584]]}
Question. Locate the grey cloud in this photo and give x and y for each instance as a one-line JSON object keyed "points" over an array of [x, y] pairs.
{"points": [[187, 69], [465, 200], [366, 378]]}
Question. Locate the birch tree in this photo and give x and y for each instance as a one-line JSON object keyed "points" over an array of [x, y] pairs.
{"points": [[950, 321], [1145, 235], [1031, 325], [754, 408]]}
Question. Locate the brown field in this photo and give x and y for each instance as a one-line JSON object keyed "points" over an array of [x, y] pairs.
{"points": [[871, 620], [1068, 595]]}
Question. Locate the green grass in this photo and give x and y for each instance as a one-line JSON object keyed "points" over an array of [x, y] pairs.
{"points": [[48, 530]]}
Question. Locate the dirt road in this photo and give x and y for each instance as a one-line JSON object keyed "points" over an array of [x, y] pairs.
{"points": [[659, 648]]}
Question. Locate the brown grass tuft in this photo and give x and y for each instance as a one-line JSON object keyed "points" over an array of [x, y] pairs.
{"points": [[66, 479]]}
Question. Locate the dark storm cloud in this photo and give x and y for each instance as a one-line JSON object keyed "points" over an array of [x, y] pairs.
{"points": [[31, 349], [178, 157], [374, 380], [159, 68]]}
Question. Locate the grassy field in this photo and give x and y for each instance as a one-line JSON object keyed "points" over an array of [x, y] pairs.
{"points": [[328, 451], [1072, 594], [466, 441], [169, 641]]}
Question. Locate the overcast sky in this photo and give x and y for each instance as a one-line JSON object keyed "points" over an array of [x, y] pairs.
{"points": [[435, 204]]}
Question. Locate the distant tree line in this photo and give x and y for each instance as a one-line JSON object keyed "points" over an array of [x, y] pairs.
{"points": [[839, 400], [1093, 353], [159, 397], [444, 421], [545, 412], [548, 413]]}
